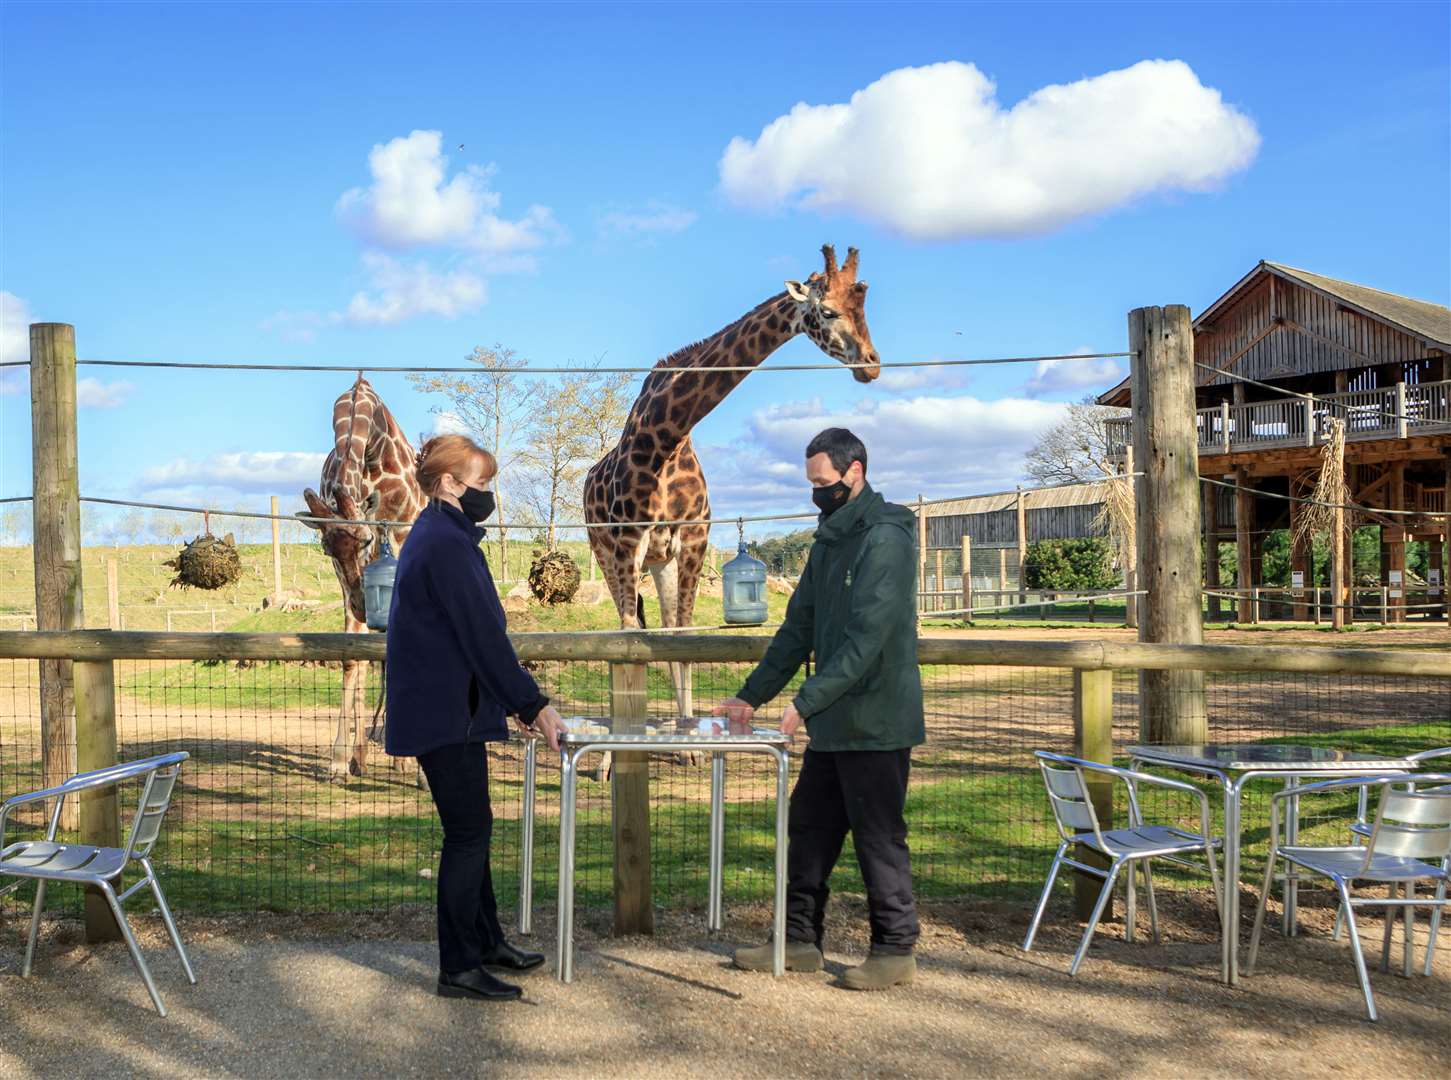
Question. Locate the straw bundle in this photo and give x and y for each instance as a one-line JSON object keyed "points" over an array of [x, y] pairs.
{"points": [[206, 563], [1318, 517], [553, 578], [1116, 517]]}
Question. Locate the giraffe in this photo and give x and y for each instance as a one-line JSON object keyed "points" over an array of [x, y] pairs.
{"points": [[368, 476], [653, 473]]}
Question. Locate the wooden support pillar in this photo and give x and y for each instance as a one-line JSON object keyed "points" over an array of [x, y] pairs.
{"points": [[1211, 546], [1302, 557], [1393, 545], [57, 537], [100, 822], [966, 578], [630, 805], [1339, 542], [1093, 741], [1256, 568], [1002, 574], [1244, 526], [937, 586], [1161, 341], [1022, 546]]}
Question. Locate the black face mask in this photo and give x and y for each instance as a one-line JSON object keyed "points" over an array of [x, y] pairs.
{"points": [[831, 498], [477, 505]]}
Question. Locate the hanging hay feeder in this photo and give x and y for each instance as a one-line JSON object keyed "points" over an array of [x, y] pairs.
{"points": [[206, 563], [553, 578]]}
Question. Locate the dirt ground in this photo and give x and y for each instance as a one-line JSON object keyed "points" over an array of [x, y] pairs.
{"points": [[315, 997]]}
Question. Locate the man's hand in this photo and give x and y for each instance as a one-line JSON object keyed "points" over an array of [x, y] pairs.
{"points": [[791, 722], [738, 715], [549, 725]]}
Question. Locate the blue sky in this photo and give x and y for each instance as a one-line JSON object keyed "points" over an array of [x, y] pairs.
{"points": [[175, 179]]}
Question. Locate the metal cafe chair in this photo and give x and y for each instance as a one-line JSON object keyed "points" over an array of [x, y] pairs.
{"points": [[1066, 781], [45, 861], [1409, 841], [1360, 832]]}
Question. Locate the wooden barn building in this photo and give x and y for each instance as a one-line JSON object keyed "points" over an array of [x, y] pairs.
{"points": [[1318, 348]]}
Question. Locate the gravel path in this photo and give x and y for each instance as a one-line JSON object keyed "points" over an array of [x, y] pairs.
{"points": [[286, 997]]}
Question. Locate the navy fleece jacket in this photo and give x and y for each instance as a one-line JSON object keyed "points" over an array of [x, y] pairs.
{"points": [[452, 673]]}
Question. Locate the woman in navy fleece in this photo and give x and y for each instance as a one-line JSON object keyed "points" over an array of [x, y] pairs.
{"points": [[452, 679]]}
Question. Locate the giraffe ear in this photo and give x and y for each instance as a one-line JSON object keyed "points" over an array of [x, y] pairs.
{"points": [[798, 291]]}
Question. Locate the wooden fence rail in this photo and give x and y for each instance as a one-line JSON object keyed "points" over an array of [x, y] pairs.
{"points": [[94, 653]]}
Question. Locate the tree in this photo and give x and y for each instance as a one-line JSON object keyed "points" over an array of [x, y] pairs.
{"points": [[1077, 565], [492, 404], [557, 447], [1076, 449]]}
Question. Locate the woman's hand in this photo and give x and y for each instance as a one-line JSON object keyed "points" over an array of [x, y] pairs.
{"points": [[549, 725]]}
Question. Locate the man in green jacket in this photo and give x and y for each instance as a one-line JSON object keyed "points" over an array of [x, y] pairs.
{"points": [[855, 610]]}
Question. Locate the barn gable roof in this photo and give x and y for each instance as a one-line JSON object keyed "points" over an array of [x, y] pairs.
{"points": [[1431, 323]]}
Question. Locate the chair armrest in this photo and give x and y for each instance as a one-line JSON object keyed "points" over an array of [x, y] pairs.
{"points": [[1349, 782], [108, 776], [1428, 755]]}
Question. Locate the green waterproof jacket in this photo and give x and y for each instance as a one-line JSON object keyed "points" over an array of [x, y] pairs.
{"points": [[855, 608]]}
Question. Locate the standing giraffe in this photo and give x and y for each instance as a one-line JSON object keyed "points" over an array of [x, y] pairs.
{"points": [[653, 473], [368, 476]]}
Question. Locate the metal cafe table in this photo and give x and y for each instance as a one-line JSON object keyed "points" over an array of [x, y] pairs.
{"points": [[1234, 765], [575, 744]]}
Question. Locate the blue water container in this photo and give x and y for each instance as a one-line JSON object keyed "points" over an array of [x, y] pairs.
{"points": [[743, 586], [378, 578]]}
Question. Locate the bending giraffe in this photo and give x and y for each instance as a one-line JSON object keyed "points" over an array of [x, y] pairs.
{"points": [[368, 476], [653, 473]]}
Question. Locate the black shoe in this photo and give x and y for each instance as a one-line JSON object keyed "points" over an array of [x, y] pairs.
{"points": [[477, 983], [510, 958]]}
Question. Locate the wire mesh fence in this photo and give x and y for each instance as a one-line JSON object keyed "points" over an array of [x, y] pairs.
{"points": [[260, 825]]}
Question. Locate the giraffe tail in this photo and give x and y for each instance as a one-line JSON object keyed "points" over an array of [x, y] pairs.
{"points": [[640, 610]]}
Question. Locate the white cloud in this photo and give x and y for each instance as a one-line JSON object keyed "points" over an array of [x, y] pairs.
{"points": [[400, 290], [1059, 376], [15, 320], [448, 422], [903, 380], [655, 219], [253, 472], [938, 446], [94, 394], [931, 152], [412, 203]]}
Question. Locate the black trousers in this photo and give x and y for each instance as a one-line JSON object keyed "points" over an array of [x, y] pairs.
{"points": [[468, 915], [863, 792]]}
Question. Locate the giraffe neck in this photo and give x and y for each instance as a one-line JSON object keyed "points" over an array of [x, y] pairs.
{"points": [[673, 402]]}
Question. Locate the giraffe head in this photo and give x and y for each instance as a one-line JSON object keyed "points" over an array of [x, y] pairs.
{"points": [[350, 546], [832, 308]]}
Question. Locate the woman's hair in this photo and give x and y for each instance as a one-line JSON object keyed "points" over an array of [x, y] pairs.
{"points": [[453, 454]]}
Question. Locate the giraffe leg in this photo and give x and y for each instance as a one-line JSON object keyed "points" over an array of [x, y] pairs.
{"points": [[346, 758], [667, 584]]}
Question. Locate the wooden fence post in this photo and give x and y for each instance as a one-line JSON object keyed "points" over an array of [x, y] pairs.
{"points": [[276, 555], [937, 586], [1023, 548], [100, 823], [1339, 542], [630, 805], [1093, 741], [57, 536], [966, 579], [1171, 703], [1131, 557], [921, 556], [113, 594]]}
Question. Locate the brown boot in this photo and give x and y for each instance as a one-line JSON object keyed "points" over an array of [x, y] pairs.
{"points": [[881, 971], [800, 956]]}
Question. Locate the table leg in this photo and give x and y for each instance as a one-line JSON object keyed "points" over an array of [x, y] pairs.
{"points": [[1230, 960], [567, 769], [715, 917], [778, 936], [526, 839]]}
